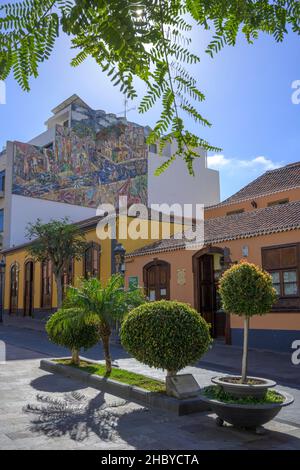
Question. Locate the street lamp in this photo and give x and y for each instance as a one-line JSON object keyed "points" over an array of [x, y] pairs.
{"points": [[2, 273]]}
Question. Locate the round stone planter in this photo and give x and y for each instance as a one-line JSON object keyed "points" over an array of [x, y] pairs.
{"points": [[248, 416], [239, 390]]}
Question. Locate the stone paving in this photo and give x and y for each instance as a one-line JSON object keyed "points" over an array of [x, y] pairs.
{"points": [[41, 411]]}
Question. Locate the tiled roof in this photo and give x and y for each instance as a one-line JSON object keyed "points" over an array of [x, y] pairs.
{"points": [[279, 218], [273, 181]]}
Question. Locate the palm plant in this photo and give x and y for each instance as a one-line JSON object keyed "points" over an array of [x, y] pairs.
{"points": [[102, 304]]}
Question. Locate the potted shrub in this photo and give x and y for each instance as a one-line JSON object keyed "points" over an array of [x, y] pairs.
{"points": [[245, 401], [166, 335], [70, 328]]}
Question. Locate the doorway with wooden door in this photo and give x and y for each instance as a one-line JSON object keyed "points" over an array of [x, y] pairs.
{"points": [[156, 276], [28, 288], [207, 300], [14, 288]]}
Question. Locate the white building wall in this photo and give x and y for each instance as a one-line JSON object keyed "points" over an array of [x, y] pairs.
{"points": [[27, 209], [176, 185], [45, 138]]}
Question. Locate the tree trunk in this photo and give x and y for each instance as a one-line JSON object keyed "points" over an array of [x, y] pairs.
{"points": [[106, 349], [75, 357], [245, 350], [59, 287]]}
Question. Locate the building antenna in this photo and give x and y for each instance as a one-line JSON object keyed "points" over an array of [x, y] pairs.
{"points": [[126, 110]]}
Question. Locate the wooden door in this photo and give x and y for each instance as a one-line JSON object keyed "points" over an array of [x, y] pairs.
{"points": [[157, 280], [14, 289], [46, 294], [28, 288], [207, 290]]}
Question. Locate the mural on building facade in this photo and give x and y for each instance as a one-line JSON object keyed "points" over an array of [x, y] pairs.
{"points": [[96, 160]]}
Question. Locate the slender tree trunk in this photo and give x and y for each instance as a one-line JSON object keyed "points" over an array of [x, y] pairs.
{"points": [[245, 350], [105, 332], [59, 287], [106, 349], [75, 357]]}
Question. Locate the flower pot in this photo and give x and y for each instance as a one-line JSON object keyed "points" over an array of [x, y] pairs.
{"points": [[248, 416], [257, 389]]}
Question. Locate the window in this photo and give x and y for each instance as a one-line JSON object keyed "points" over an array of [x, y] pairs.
{"points": [[91, 261], [280, 201], [283, 265], [2, 180], [1, 220], [46, 285], [237, 211]]}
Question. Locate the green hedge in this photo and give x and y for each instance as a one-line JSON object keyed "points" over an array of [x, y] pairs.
{"points": [[165, 334]]}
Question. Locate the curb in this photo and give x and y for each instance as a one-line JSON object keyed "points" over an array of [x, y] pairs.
{"points": [[128, 392]]}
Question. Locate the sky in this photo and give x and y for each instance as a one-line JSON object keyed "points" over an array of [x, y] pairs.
{"points": [[248, 91]]}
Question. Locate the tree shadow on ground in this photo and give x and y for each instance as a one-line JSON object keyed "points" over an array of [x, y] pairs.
{"points": [[74, 415], [54, 383], [83, 419]]}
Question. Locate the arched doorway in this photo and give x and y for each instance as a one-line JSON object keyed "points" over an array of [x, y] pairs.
{"points": [[28, 287], [14, 288], [207, 269], [156, 276]]}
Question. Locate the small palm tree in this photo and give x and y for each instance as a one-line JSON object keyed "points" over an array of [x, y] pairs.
{"points": [[103, 304]]}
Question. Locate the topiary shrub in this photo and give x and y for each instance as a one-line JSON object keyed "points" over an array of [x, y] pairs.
{"points": [[165, 334], [70, 328], [246, 290]]}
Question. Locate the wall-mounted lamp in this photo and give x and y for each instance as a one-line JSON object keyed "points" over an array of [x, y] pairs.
{"points": [[119, 254], [245, 251]]}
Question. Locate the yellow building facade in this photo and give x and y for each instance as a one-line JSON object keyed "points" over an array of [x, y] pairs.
{"points": [[30, 288]]}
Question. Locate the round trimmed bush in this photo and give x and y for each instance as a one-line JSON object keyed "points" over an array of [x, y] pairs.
{"points": [[165, 334], [247, 290], [68, 327]]}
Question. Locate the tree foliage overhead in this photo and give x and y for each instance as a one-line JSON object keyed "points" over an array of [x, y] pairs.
{"points": [[147, 39]]}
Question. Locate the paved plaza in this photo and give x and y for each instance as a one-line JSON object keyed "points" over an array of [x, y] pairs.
{"points": [[39, 410]]}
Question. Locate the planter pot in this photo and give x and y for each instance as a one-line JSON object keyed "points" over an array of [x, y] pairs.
{"points": [[239, 390], [248, 416]]}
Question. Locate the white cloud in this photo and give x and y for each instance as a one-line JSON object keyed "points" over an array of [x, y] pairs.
{"points": [[259, 164]]}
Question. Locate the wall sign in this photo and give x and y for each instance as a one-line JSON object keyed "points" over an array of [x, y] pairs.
{"points": [[181, 277]]}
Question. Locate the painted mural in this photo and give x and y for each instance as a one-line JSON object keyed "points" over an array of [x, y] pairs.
{"points": [[96, 160]]}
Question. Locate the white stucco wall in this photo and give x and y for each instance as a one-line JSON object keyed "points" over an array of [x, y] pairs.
{"points": [[44, 139], [26, 209], [176, 185]]}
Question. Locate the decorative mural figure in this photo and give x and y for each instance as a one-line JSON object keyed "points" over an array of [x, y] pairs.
{"points": [[96, 160]]}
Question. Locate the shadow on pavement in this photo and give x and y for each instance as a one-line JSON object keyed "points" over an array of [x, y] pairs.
{"points": [[54, 383]]}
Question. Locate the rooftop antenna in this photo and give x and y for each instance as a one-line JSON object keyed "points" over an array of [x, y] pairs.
{"points": [[126, 110]]}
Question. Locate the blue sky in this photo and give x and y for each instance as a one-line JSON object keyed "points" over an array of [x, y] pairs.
{"points": [[248, 100]]}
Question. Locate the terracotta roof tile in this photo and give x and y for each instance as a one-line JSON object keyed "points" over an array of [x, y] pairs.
{"points": [[279, 218], [273, 181]]}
